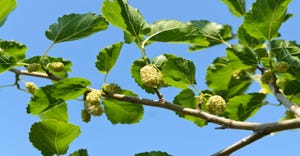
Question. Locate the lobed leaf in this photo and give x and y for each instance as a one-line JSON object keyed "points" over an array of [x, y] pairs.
{"points": [[265, 18], [52, 136], [108, 56], [7, 6], [120, 14], [247, 40], [186, 98], [75, 26], [236, 7], [153, 153], [214, 33], [121, 111], [11, 52], [81, 152], [178, 72], [244, 106]]}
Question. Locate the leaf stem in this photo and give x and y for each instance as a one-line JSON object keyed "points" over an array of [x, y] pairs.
{"points": [[46, 51]]}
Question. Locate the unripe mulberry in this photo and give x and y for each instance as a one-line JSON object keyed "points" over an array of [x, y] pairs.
{"points": [[95, 110], [267, 76], [85, 116], [31, 87], [216, 105], [281, 67], [151, 76], [111, 88], [93, 97], [56, 66], [33, 67]]}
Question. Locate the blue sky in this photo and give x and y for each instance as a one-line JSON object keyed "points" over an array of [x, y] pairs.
{"points": [[159, 129]]}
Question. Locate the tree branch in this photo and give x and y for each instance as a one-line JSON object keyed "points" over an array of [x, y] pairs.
{"points": [[282, 99], [240, 144], [35, 74]]}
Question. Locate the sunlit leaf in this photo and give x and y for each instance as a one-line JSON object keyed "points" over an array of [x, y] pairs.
{"points": [[244, 106], [58, 112], [245, 54], [153, 153], [265, 18], [108, 56], [81, 152], [121, 111], [236, 7], [120, 14], [213, 32], [178, 72], [7, 6], [52, 136], [11, 53], [186, 98], [70, 88], [75, 26], [246, 39], [177, 32]]}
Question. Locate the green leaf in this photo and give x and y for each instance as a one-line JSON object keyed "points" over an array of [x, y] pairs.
{"points": [[11, 53], [153, 153], [108, 56], [290, 88], [213, 32], [236, 7], [7, 6], [135, 73], [120, 14], [52, 95], [265, 18], [70, 88], [247, 40], [121, 111], [244, 106], [52, 136], [186, 98], [49, 59], [81, 152], [43, 100], [287, 51], [178, 72], [176, 32], [218, 74], [75, 26], [57, 112], [228, 76], [245, 54]]}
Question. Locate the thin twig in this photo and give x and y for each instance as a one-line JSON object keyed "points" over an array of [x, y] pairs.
{"points": [[159, 95]]}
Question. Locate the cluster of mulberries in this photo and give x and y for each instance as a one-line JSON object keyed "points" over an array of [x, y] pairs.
{"points": [[92, 105], [215, 105]]}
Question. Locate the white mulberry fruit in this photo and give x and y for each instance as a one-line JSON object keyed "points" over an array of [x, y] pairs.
{"points": [[31, 87], [151, 76], [281, 67], [267, 76], [111, 88], [216, 105], [56, 66]]}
